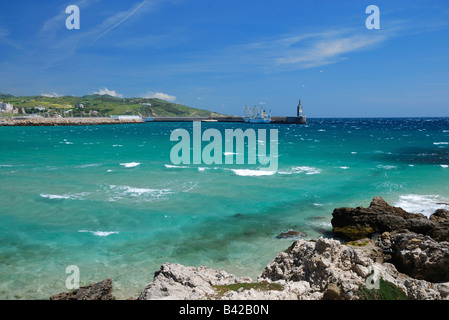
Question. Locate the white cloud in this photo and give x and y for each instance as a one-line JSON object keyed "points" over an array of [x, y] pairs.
{"points": [[51, 95], [158, 95], [112, 93]]}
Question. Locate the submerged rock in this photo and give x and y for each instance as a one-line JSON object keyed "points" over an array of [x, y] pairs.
{"points": [[291, 234]]}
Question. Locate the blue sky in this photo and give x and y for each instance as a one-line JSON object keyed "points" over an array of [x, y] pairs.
{"points": [[223, 55]]}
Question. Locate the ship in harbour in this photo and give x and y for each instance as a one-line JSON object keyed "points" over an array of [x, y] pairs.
{"points": [[256, 115]]}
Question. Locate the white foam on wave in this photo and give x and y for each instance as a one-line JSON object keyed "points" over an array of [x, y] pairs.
{"points": [[444, 165], [169, 166], [386, 167], [301, 169], [344, 168], [100, 233], [5, 165], [76, 196], [229, 153], [147, 194], [425, 204], [440, 143], [130, 164], [88, 165], [252, 173]]}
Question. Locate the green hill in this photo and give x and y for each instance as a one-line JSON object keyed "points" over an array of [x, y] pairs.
{"points": [[103, 105]]}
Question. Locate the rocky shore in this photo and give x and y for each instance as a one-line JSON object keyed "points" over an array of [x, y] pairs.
{"points": [[40, 121], [380, 252]]}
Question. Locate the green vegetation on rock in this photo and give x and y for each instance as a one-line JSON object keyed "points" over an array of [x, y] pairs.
{"points": [[386, 291], [353, 232]]}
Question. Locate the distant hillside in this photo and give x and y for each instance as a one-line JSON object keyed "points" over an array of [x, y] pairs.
{"points": [[103, 105]]}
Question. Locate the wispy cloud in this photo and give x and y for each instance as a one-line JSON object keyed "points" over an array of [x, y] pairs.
{"points": [[121, 17], [324, 49], [106, 91], [158, 95]]}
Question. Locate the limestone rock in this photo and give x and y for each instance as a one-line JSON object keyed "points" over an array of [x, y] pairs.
{"points": [[178, 282], [321, 263], [421, 257]]}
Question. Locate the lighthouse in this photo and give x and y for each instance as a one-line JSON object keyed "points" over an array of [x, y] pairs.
{"points": [[299, 109]]}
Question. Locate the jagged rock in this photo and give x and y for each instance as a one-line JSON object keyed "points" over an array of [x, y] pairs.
{"points": [[379, 217], [178, 282], [321, 263], [308, 270], [97, 291], [333, 292], [421, 257]]}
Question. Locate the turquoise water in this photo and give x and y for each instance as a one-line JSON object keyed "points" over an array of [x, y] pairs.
{"points": [[109, 200]]}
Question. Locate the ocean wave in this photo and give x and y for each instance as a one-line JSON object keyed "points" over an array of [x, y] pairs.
{"points": [[301, 169], [77, 196], [88, 165], [444, 165], [425, 204], [120, 192], [130, 164], [170, 166], [386, 167], [440, 143], [100, 233], [252, 173]]}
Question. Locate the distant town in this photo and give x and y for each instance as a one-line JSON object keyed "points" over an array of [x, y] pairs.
{"points": [[92, 106]]}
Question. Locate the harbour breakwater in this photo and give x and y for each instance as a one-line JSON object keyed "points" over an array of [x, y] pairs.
{"points": [[81, 121]]}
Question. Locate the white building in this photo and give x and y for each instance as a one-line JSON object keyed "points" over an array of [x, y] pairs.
{"points": [[6, 107]]}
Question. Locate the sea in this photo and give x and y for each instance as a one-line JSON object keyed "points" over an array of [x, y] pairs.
{"points": [[109, 200]]}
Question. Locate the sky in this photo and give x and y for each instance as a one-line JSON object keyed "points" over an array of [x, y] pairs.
{"points": [[223, 55]]}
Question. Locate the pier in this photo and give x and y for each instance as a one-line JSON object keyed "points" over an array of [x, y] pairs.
{"points": [[81, 121], [279, 120]]}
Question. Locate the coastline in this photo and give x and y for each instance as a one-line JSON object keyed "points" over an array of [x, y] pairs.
{"points": [[38, 121], [377, 253]]}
